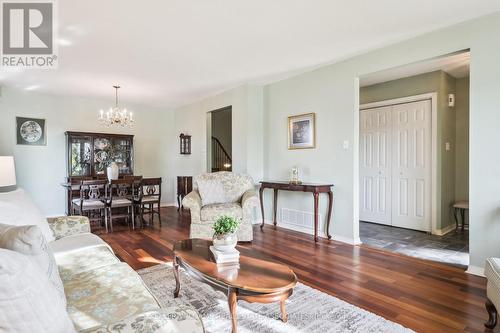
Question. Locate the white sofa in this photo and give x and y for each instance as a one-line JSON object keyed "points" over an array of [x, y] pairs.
{"points": [[102, 293]]}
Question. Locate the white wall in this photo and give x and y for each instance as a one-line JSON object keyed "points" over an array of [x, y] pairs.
{"points": [[41, 169], [247, 132], [332, 92]]}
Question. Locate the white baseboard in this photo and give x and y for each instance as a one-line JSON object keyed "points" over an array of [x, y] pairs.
{"points": [[342, 239], [475, 270], [445, 230], [348, 240]]}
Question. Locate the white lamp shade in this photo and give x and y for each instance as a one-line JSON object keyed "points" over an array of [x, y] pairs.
{"points": [[7, 171]]}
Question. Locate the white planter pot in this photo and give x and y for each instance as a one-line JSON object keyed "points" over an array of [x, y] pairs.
{"points": [[225, 242]]}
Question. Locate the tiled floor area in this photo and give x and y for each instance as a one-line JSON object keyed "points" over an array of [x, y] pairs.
{"points": [[452, 248]]}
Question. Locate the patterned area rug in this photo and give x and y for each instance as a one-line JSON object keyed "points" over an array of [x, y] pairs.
{"points": [[309, 310]]}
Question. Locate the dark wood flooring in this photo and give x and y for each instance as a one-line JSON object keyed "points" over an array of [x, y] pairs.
{"points": [[422, 295]]}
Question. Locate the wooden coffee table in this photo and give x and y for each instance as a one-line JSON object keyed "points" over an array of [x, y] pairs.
{"points": [[257, 279]]}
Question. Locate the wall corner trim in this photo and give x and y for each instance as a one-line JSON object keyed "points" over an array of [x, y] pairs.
{"points": [[475, 270]]}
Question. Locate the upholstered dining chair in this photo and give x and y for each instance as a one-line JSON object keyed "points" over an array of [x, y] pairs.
{"points": [[221, 193], [120, 195], [150, 196], [92, 198]]}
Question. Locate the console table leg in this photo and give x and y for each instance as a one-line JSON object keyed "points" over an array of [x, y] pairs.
{"points": [[330, 206], [316, 195], [261, 190], [284, 315], [275, 204], [232, 299], [177, 280]]}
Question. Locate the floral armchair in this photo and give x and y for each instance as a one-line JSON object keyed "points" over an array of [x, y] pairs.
{"points": [[239, 201]]}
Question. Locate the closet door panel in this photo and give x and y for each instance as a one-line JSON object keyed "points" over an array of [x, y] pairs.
{"points": [[375, 165], [411, 172]]}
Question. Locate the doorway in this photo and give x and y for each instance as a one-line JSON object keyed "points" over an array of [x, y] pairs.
{"points": [[221, 140], [413, 159]]}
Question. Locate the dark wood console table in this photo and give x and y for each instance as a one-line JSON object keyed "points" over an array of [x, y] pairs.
{"points": [[315, 189]]}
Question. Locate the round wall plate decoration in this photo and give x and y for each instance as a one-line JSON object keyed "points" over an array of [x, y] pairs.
{"points": [[30, 131]]}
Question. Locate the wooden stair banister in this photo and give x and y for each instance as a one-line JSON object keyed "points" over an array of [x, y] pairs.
{"points": [[221, 161]]}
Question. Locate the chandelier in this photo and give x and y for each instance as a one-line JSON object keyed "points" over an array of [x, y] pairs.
{"points": [[115, 115]]}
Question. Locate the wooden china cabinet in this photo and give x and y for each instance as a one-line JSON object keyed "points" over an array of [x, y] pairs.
{"points": [[89, 154]]}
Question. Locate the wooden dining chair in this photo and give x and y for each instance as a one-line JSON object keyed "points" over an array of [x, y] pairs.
{"points": [[74, 191], [151, 196], [92, 199], [136, 194], [120, 196]]}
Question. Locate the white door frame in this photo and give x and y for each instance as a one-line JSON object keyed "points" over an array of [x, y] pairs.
{"points": [[416, 98]]}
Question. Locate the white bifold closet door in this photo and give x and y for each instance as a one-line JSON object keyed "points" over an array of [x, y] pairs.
{"points": [[375, 165], [395, 165]]}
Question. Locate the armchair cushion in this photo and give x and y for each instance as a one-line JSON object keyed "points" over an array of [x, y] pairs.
{"points": [[234, 184], [211, 191], [181, 318], [492, 273], [213, 212], [69, 225]]}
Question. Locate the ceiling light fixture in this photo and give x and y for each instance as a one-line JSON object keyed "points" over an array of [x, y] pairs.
{"points": [[116, 116]]}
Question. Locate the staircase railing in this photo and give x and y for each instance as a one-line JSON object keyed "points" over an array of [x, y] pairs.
{"points": [[221, 161]]}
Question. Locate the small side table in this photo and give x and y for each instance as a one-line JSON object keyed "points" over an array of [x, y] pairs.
{"points": [[459, 208], [184, 186]]}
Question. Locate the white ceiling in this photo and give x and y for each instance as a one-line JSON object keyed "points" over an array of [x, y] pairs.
{"points": [[457, 65], [166, 53]]}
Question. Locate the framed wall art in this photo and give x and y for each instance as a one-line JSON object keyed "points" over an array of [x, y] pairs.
{"points": [[30, 131], [302, 131]]}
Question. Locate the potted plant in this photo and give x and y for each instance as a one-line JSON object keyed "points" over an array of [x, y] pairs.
{"points": [[225, 238]]}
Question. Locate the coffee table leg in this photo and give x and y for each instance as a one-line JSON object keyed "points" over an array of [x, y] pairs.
{"points": [[284, 315], [232, 299], [177, 280]]}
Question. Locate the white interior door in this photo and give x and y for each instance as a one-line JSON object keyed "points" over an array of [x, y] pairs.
{"points": [[375, 165], [411, 166], [395, 165]]}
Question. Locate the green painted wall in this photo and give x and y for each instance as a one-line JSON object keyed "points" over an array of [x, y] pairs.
{"points": [[443, 84]]}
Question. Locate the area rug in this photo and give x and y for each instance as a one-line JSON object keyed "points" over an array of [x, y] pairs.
{"points": [[309, 310]]}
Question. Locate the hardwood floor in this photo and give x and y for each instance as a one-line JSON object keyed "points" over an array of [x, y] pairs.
{"points": [[422, 295]]}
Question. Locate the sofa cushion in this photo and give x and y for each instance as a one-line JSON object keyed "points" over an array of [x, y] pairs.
{"points": [[84, 260], [28, 301], [76, 243], [17, 208], [211, 192], [29, 240], [106, 295], [64, 226], [213, 212]]}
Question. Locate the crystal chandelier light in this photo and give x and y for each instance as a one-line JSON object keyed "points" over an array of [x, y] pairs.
{"points": [[116, 116]]}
